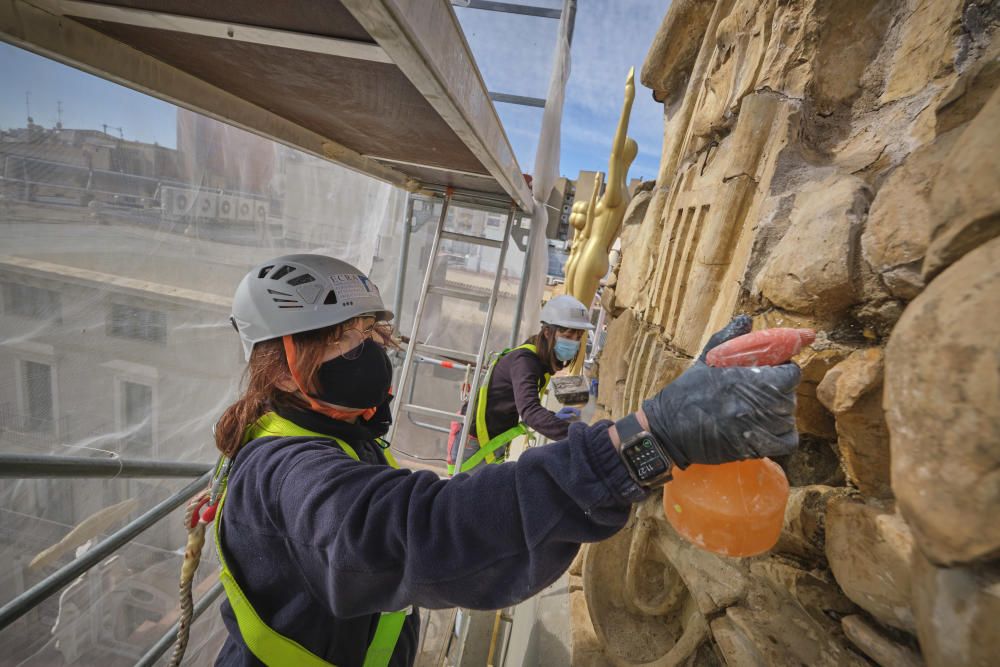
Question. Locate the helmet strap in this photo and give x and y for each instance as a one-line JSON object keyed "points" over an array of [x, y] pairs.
{"points": [[323, 408]]}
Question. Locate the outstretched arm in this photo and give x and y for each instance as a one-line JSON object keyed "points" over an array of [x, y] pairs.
{"points": [[372, 538], [616, 164]]}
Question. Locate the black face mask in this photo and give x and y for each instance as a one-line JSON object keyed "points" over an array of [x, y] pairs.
{"points": [[356, 383]]}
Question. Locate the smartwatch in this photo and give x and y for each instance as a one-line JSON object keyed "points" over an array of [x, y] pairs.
{"points": [[644, 457]]}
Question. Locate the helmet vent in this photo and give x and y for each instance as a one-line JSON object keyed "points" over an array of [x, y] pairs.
{"points": [[263, 272], [282, 272], [274, 291], [331, 298], [289, 306], [301, 280]]}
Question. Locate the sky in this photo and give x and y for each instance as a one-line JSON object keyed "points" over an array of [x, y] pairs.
{"points": [[515, 55], [513, 52]]}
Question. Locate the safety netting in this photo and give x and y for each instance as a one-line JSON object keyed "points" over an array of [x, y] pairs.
{"points": [[125, 230], [118, 260]]}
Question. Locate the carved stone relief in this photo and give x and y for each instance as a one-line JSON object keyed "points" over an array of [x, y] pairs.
{"points": [[831, 165]]}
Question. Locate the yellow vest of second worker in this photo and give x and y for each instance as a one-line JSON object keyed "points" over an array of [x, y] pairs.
{"points": [[488, 445]]}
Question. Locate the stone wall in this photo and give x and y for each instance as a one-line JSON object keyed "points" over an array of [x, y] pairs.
{"points": [[831, 164]]}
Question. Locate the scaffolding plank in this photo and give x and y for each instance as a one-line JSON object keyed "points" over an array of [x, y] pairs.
{"points": [[389, 88]]}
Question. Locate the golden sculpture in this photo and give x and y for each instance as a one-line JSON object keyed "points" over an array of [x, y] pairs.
{"points": [[601, 221], [582, 220], [605, 220]]}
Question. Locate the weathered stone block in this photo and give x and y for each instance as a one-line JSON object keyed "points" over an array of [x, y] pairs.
{"points": [[621, 335], [956, 611], [927, 48], [863, 442], [803, 531], [869, 549], [942, 399], [639, 255], [811, 270], [672, 54], [965, 200], [852, 391], [877, 646], [815, 591], [899, 225], [811, 416], [769, 628], [635, 212], [851, 379]]}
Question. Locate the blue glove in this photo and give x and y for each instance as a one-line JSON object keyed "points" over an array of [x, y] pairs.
{"points": [[568, 414]]}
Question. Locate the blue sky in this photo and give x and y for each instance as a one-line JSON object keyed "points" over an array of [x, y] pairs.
{"points": [[514, 53]]}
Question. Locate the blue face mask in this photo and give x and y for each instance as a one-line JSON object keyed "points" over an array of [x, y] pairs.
{"points": [[566, 349]]}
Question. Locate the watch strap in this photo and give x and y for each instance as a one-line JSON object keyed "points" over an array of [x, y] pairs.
{"points": [[628, 427]]}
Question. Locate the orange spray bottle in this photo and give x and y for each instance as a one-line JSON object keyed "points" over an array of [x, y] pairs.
{"points": [[736, 509]]}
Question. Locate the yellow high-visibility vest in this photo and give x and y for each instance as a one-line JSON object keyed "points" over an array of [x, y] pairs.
{"points": [[269, 646], [488, 445]]}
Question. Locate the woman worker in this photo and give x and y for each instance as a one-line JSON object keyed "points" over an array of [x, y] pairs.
{"points": [[509, 400], [326, 545]]}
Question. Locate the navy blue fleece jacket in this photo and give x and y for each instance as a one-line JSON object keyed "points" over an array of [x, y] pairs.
{"points": [[321, 543]]}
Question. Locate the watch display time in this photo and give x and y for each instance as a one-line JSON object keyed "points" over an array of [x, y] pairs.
{"points": [[646, 459]]}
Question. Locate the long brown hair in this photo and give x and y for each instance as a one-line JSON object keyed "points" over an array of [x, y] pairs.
{"points": [[269, 365]]}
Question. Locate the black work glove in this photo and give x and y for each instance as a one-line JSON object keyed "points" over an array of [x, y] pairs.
{"points": [[717, 415]]}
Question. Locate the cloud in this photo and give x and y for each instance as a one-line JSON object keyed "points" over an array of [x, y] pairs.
{"points": [[515, 53]]}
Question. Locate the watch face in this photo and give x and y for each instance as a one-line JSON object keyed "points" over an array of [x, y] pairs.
{"points": [[646, 459]]}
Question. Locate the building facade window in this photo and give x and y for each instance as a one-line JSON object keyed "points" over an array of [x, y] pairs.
{"points": [[137, 419], [126, 321], [30, 301], [37, 397]]}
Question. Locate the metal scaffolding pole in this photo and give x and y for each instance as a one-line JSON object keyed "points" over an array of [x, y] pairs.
{"points": [[412, 346], [32, 597], [483, 342], [404, 254], [522, 289], [37, 466]]}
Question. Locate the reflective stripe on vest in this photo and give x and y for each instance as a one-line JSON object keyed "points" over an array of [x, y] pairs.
{"points": [[269, 646], [489, 445]]}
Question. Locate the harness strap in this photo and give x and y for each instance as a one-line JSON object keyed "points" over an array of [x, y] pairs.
{"points": [[485, 452], [491, 445], [269, 646], [390, 625]]}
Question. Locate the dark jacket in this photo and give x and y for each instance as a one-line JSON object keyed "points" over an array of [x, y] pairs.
{"points": [[512, 397], [321, 543]]}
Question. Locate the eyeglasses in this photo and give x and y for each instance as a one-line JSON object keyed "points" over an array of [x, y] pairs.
{"points": [[352, 341], [572, 334]]}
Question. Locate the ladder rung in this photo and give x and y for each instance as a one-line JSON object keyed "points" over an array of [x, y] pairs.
{"points": [[456, 293], [430, 412], [468, 238], [435, 351]]}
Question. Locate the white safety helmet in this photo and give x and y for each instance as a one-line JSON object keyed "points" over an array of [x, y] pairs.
{"points": [[297, 293], [566, 312]]}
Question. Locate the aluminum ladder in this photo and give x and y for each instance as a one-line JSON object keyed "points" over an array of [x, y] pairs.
{"points": [[416, 349]]}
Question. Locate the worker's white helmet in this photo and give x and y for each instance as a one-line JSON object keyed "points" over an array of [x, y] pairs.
{"points": [[297, 293], [566, 312]]}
